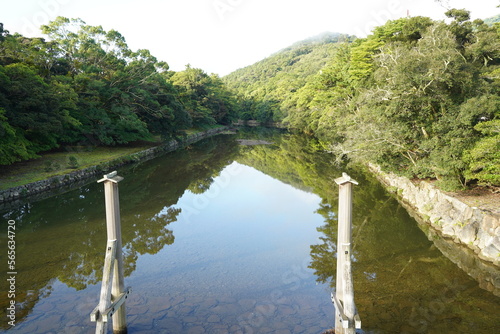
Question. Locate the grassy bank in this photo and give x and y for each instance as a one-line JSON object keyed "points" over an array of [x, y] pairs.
{"points": [[71, 159], [59, 163]]}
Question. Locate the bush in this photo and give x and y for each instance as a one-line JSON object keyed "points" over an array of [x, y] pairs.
{"points": [[73, 162], [484, 161]]}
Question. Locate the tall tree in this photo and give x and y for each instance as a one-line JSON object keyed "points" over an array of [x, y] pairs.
{"points": [[3, 33], [204, 96]]}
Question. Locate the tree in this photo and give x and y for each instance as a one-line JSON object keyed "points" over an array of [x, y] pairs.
{"points": [[192, 84], [123, 95], [205, 97], [268, 89], [34, 107], [484, 46], [484, 158], [324, 100], [409, 119], [461, 26], [408, 97], [3, 33], [13, 146], [407, 30]]}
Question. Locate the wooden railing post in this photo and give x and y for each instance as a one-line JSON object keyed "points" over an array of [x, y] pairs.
{"points": [[113, 267], [105, 297], [346, 317]]}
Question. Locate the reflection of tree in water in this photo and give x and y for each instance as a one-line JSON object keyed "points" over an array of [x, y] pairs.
{"points": [[401, 281], [64, 237], [398, 274], [200, 186], [296, 160], [151, 239], [83, 269], [379, 226]]}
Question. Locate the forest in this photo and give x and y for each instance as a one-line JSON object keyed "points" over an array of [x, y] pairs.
{"points": [[418, 97], [84, 86]]}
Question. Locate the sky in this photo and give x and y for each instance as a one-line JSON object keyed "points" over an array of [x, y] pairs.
{"points": [[220, 36]]}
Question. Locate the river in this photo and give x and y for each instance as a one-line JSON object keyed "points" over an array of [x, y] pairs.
{"points": [[220, 237]]}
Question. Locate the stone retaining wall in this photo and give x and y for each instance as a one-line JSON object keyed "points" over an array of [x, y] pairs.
{"points": [[60, 181], [477, 229], [254, 123]]}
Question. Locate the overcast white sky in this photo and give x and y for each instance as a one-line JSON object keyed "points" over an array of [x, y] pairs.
{"points": [[220, 36]]}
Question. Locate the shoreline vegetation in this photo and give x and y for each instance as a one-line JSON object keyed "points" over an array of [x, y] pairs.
{"points": [[57, 169], [417, 97], [484, 202], [82, 86], [60, 164]]}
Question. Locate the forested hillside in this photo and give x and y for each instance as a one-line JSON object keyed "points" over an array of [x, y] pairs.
{"points": [[268, 88], [492, 20], [83, 85], [417, 96]]}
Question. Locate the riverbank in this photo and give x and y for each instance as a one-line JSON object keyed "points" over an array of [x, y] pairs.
{"points": [[81, 175], [476, 227], [65, 160]]}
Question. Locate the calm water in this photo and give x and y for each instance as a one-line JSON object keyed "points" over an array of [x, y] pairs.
{"points": [[223, 238]]}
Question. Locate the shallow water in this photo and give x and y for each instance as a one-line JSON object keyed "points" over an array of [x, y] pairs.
{"points": [[223, 238]]}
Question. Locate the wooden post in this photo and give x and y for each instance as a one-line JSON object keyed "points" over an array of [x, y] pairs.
{"points": [[105, 297], [113, 225], [346, 319]]}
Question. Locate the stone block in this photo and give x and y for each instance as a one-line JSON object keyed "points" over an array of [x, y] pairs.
{"points": [[489, 224], [471, 226], [468, 234], [467, 214], [444, 207], [448, 231], [485, 239], [496, 242], [457, 204], [491, 252]]}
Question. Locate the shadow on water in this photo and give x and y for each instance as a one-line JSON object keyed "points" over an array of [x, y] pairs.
{"points": [[403, 283]]}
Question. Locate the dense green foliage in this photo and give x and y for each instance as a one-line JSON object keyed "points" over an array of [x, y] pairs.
{"points": [[267, 89], [84, 86], [417, 96], [204, 97]]}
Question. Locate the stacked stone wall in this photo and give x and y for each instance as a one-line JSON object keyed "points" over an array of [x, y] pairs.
{"points": [[477, 229]]}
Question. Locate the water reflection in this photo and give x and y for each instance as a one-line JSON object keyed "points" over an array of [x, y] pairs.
{"points": [[238, 262], [64, 237], [486, 274], [403, 283]]}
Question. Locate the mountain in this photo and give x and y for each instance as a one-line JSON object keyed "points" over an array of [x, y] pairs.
{"points": [[266, 85], [492, 20]]}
